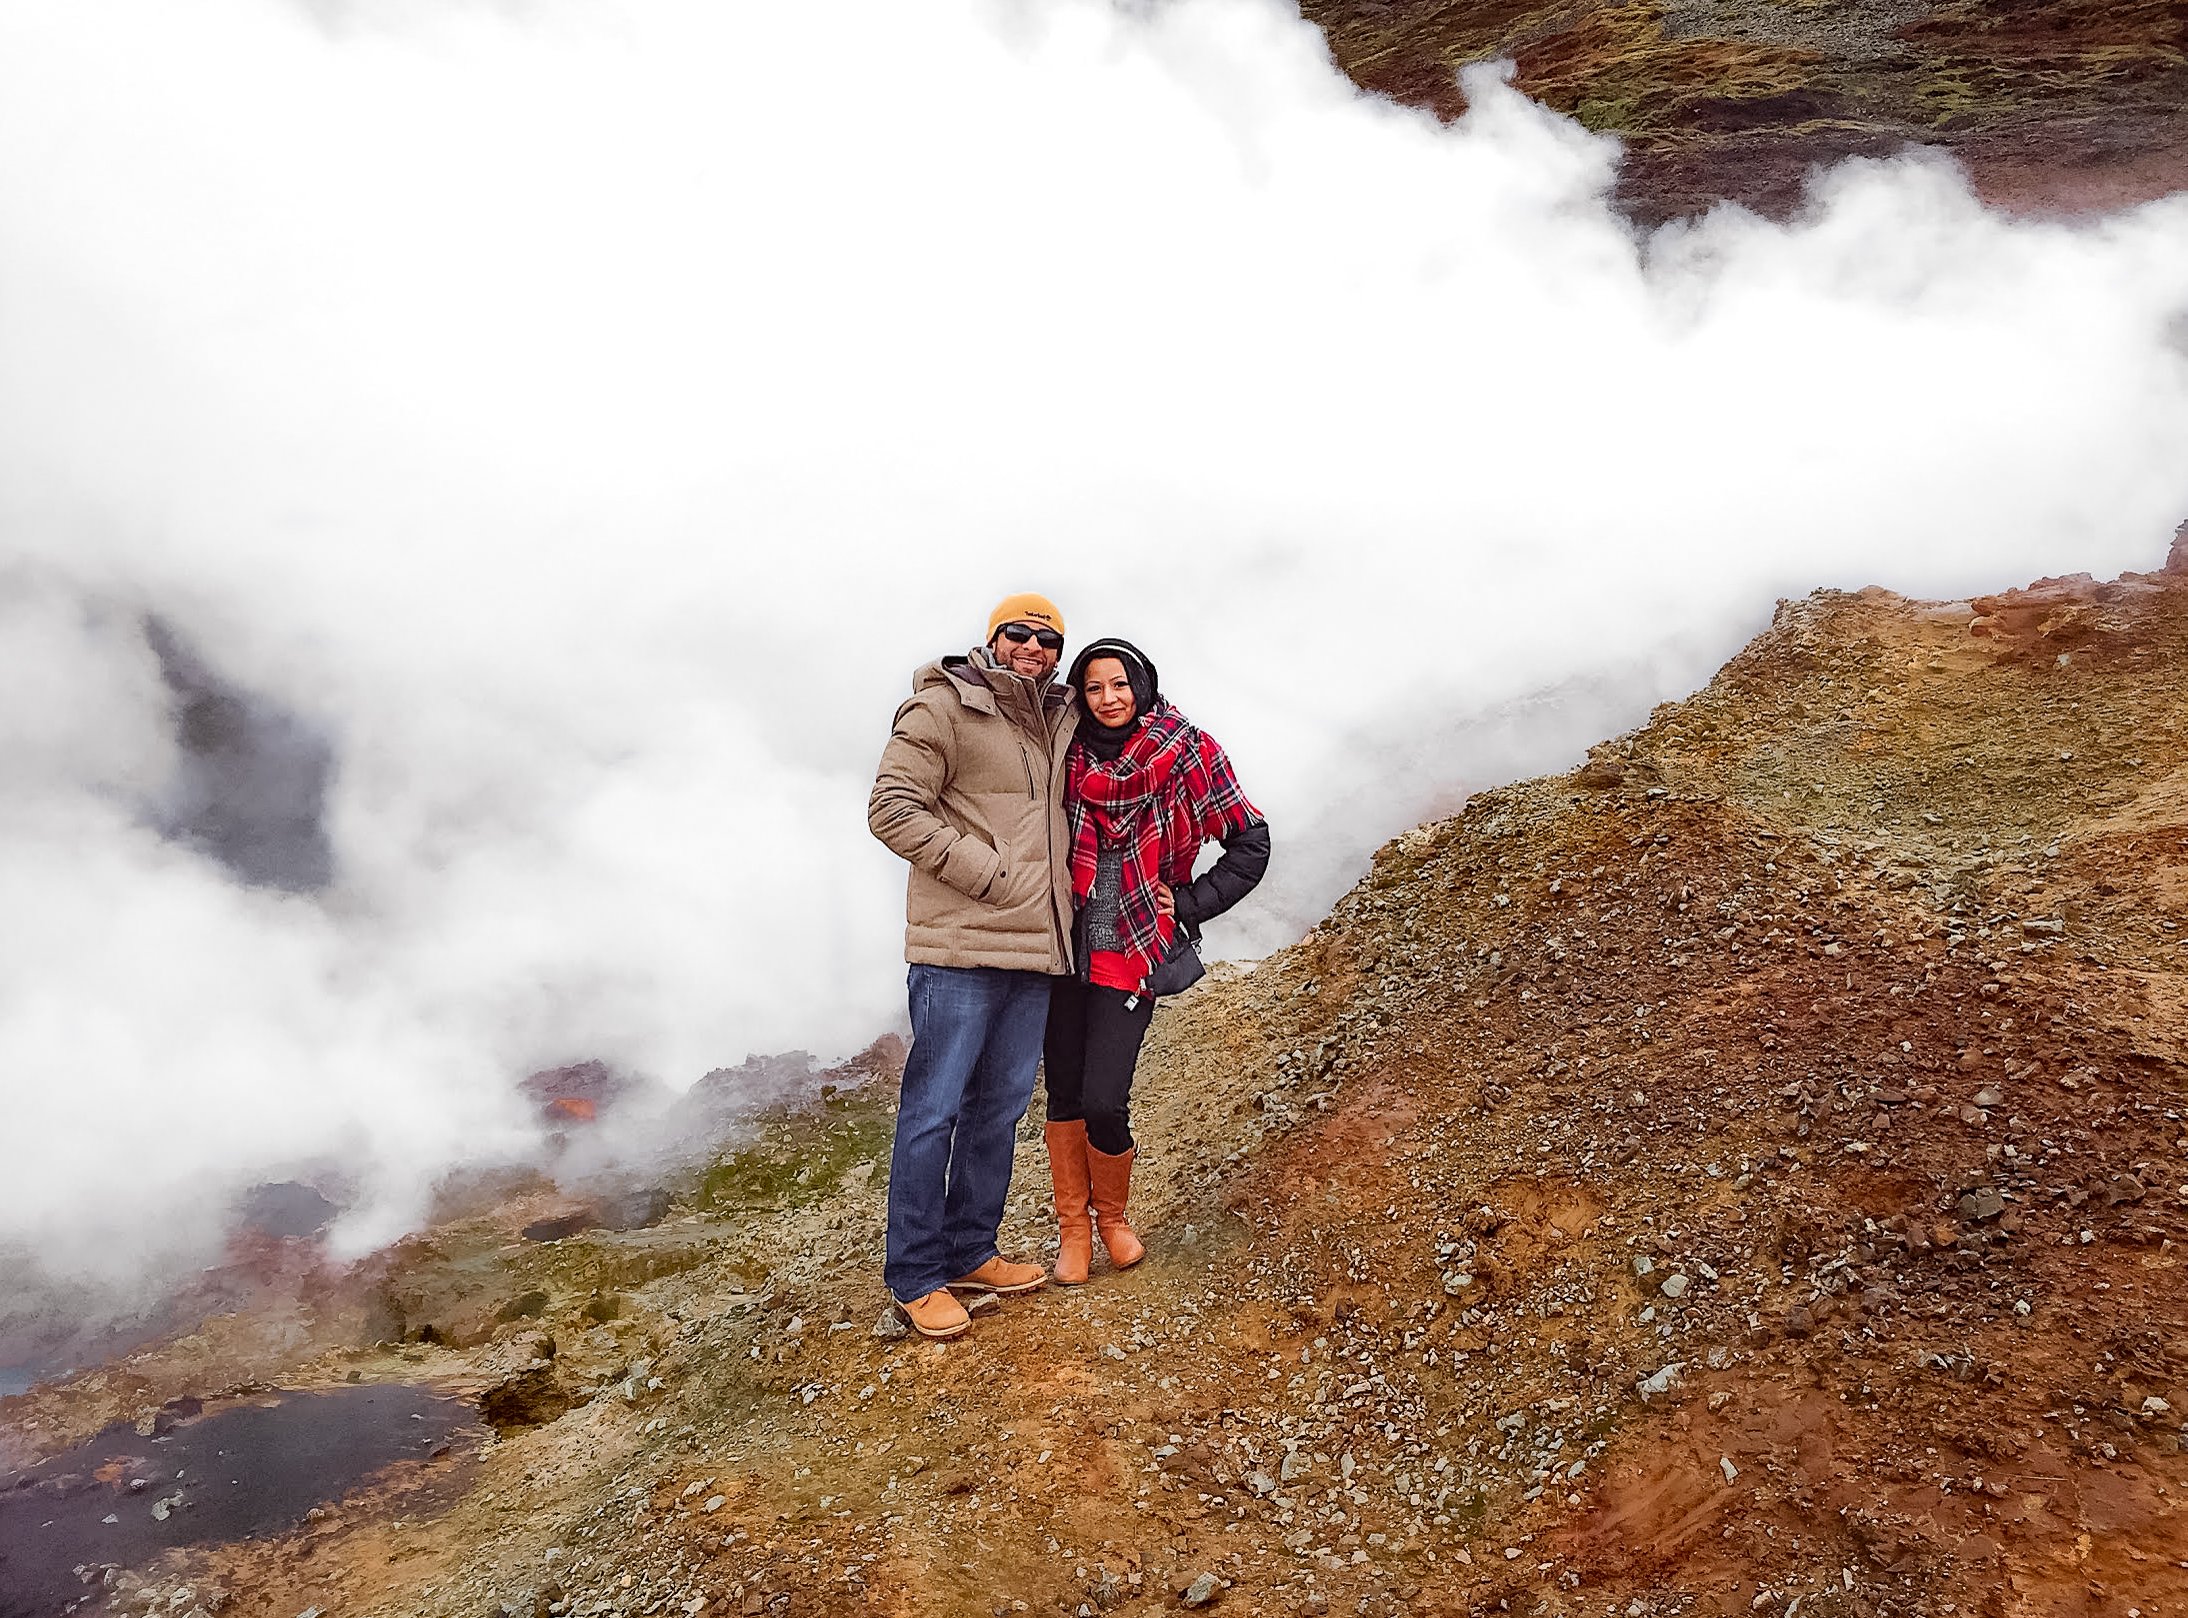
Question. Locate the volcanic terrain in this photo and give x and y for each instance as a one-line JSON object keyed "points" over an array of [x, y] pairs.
{"points": [[2078, 107], [1745, 1174]]}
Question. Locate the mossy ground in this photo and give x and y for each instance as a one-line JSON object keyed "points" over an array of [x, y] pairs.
{"points": [[801, 1157]]}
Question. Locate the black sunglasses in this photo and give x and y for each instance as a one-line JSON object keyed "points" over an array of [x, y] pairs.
{"points": [[1047, 639]]}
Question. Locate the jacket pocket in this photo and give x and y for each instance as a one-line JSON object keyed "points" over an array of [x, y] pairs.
{"points": [[1006, 876], [973, 868]]}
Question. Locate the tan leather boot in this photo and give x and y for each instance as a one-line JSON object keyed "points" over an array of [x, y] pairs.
{"points": [[999, 1274], [1110, 1182], [1067, 1172], [937, 1315]]}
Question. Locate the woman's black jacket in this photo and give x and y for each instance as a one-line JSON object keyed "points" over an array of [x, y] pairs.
{"points": [[1244, 861]]}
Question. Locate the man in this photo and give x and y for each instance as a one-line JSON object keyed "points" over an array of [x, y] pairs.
{"points": [[970, 791]]}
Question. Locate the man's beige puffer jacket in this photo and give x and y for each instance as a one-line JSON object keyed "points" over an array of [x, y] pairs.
{"points": [[971, 792]]}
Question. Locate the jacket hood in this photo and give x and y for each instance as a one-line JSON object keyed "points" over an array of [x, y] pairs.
{"points": [[978, 682]]}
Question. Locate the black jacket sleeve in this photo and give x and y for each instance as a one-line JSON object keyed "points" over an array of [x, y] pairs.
{"points": [[1244, 862]]}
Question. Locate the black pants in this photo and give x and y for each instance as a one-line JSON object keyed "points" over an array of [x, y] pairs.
{"points": [[1092, 1046]]}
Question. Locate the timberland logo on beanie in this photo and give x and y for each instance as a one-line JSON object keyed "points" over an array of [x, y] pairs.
{"points": [[1025, 609]]}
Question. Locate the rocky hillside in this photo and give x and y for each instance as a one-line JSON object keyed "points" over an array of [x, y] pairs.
{"points": [[1746, 1174], [2077, 106]]}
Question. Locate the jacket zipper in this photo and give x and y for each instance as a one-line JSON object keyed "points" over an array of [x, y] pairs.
{"points": [[1060, 941]]}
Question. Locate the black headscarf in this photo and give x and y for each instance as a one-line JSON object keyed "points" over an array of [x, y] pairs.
{"points": [[1103, 742]]}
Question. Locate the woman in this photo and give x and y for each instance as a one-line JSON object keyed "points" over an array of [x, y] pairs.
{"points": [[1144, 790]]}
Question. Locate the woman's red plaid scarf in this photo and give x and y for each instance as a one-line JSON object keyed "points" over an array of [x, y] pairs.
{"points": [[1169, 792]]}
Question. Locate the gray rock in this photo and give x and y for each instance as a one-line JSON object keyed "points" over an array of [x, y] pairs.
{"points": [[1201, 1591], [1675, 1285], [891, 1326], [1662, 1382]]}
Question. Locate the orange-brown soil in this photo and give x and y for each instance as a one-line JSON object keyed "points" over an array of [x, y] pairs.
{"points": [[2056, 108], [1744, 1175]]}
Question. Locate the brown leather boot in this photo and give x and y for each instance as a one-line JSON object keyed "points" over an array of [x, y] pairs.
{"points": [[936, 1315], [999, 1274], [1067, 1172], [1110, 1182]]}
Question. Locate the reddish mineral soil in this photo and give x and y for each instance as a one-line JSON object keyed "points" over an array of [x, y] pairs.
{"points": [[1746, 1174], [2069, 108]]}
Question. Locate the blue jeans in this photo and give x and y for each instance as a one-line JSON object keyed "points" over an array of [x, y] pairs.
{"points": [[976, 1040]]}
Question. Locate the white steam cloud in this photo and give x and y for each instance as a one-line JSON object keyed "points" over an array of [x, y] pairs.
{"points": [[581, 418]]}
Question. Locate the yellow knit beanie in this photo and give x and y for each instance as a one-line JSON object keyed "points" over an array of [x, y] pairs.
{"points": [[1025, 609]]}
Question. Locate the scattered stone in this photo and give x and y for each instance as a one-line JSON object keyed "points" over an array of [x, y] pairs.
{"points": [[1800, 1320], [1981, 1205], [1675, 1285], [2124, 1188], [1201, 1591], [1724, 1462], [559, 1227], [634, 1210], [1662, 1382], [981, 1303], [890, 1326]]}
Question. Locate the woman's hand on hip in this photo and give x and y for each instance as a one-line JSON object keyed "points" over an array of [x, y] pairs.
{"points": [[1166, 902]]}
